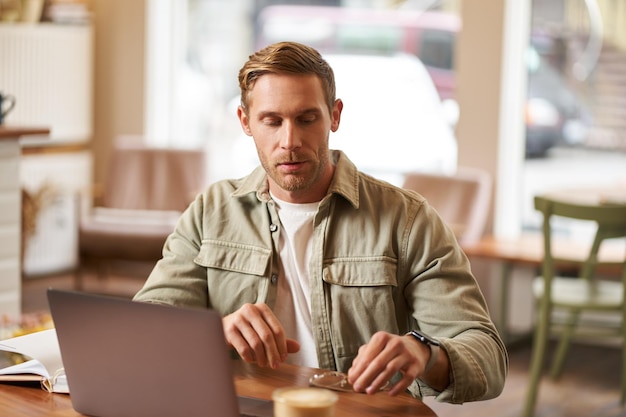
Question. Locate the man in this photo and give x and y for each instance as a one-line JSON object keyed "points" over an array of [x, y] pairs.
{"points": [[311, 262]]}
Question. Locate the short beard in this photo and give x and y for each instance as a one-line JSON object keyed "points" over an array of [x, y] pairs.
{"points": [[293, 183]]}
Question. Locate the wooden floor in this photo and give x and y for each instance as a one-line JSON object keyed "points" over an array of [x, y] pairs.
{"points": [[589, 386]]}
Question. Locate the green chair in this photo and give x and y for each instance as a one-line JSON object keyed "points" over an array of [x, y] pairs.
{"points": [[585, 291]]}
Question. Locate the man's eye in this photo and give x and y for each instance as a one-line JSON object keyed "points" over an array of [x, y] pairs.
{"points": [[308, 119], [271, 122]]}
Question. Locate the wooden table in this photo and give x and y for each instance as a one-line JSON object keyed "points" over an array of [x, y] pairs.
{"points": [[607, 194], [527, 250], [18, 400]]}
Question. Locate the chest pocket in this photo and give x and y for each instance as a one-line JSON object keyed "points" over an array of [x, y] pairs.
{"points": [[371, 271], [236, 273], [235, 257], [362, 302]]}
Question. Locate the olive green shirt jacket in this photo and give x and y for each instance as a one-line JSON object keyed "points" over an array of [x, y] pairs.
{"points": [[382, 260]]}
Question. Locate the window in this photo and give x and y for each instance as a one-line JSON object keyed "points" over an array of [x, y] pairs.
{"points": [[437, 49], [209, 41]]}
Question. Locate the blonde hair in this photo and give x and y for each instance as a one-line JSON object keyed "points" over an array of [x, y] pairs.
{"points": [[286, 58]]}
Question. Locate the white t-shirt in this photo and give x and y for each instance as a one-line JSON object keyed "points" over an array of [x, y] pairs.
{"points": [[293, 300]]}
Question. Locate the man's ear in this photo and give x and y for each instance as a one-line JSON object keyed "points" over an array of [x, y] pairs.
{"points": [[336, 115], [243, 119]]}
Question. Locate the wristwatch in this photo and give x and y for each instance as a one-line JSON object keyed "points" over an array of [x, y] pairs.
{"points": [[433, 344]]}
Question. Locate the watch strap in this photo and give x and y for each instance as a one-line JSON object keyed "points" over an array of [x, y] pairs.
{"points": [[434, 354], [432, 344]]}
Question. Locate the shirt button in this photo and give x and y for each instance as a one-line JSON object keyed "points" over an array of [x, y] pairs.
{"points": [[273, 227], [274, 279]]}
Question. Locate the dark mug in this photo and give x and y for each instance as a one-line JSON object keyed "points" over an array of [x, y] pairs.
{"points": [[7, 102]]}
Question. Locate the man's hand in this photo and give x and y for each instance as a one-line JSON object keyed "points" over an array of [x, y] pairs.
{"points": [[257, 335], [385, 355]]}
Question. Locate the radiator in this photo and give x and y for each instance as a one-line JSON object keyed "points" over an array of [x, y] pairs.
{"points": [[60, 182], [49, 70]]}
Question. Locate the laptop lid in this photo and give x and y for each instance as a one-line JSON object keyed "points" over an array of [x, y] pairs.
{"points": [[131, 359]]}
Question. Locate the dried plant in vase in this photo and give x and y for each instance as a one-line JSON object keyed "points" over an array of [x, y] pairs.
{"points": [[32, 204]]}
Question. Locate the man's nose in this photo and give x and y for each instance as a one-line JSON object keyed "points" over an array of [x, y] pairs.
{"points": [[290, 138]]}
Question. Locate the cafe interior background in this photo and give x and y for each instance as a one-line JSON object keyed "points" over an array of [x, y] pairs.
{"points": [[98, 72]]}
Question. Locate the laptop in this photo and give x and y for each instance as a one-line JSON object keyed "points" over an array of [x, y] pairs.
{"points": [[130, 359]]}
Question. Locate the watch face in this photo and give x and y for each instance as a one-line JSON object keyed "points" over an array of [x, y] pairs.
{"points": [[424, 338]]}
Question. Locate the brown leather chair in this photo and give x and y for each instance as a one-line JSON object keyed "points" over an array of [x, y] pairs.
{"points": [[463, 200], [146, 191]]}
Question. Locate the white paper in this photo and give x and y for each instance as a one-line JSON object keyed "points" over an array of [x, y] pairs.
{"points": [[43, 348]]}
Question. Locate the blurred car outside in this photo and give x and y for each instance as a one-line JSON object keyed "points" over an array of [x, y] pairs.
{"points": [[428, 35], [554, 115], [392, 126], [396, 124]]}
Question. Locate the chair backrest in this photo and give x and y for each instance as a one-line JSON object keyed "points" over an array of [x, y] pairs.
{"points": [[463, 199], [149, 178], [610, 221]]}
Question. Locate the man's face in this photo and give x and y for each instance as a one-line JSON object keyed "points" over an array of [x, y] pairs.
{"points": [[290, 123]]}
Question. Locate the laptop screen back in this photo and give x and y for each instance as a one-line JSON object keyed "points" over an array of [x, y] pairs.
{"points": [[130, 359]]}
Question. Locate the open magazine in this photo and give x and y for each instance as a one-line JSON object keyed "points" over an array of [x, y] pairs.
{"points": [[39, 358]]}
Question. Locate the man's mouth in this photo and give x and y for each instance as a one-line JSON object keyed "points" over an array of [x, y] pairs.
{"points": [[290, 162], [290, 165]]}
